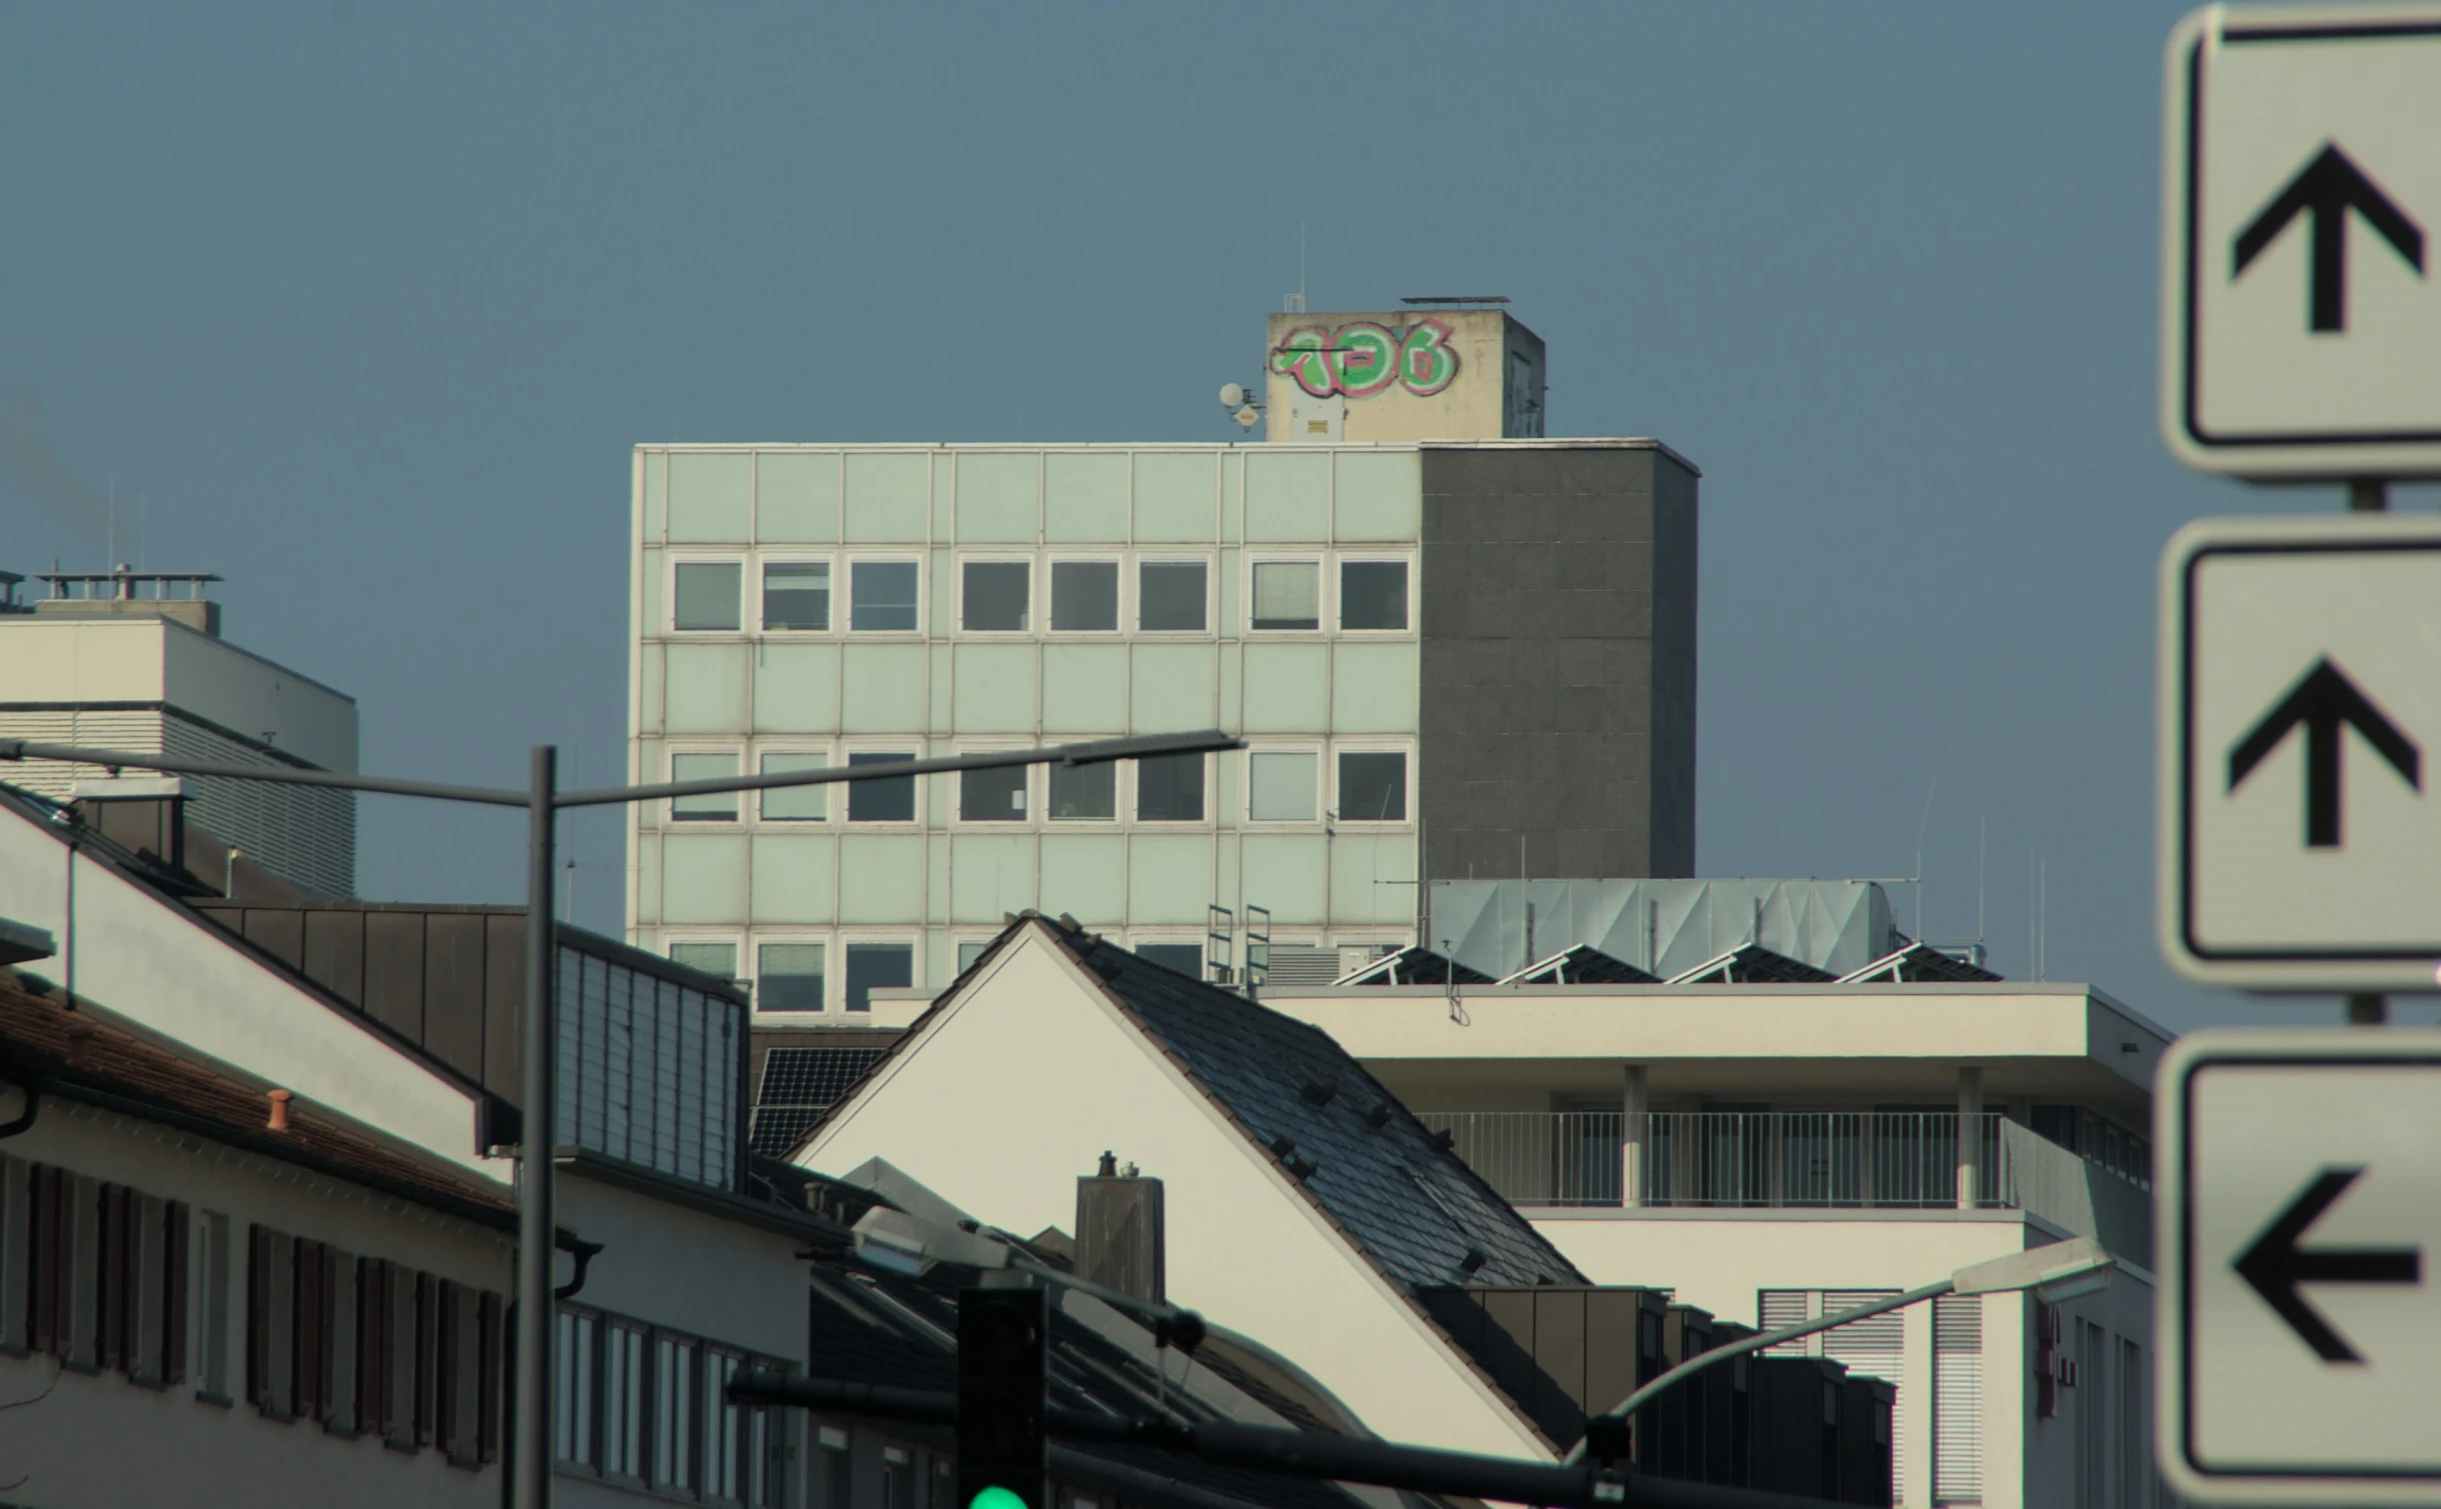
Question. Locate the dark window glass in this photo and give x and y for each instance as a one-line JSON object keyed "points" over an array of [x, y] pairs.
{"points": [[881, 801], [1373, 594], [1170, 789], [1084, 791], [1186, 958], [796, 594], [706, 594], [1084, 595], [877, 966], [992, 796], [1170, 597], [995, 595], [1373, 788], [789, 977], [882, 596]]}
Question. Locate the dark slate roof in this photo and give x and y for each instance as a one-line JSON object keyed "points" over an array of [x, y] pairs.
{"points": [[1413, 966], [1582, 965], [1402, 1198], [1752, 964], [885, 1328], [1918, 964]]}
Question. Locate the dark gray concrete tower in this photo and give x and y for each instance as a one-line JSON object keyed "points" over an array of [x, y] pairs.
{"points": [[1557, 728]]}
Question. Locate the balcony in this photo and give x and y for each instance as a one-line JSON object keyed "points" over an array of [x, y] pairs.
{"points": [[1787, 1160]]}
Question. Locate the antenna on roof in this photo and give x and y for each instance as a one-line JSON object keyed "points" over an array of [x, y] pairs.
{"points": [[1921, 823], [1295, 302]]}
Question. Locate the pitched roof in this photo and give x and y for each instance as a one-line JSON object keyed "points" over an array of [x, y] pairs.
{"points": [[84, 1053], [1404, 1200]]}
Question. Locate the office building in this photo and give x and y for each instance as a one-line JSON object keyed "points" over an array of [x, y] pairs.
{"points": [[1450, 657]]}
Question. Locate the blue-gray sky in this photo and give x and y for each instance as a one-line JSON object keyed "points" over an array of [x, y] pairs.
{"points": [[363, 306]]}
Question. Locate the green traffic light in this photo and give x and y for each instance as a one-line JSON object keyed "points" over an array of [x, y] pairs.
{"points": [[996, 1497]]}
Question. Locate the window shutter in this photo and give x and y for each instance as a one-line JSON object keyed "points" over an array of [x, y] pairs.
{"points": [[487, 1378], [1957, 1399], [176, 1262], [258, 1317], [47, 1261], [427, 1339], [16, 1248], [399, 1350], [114, 1285], [372, 1346], [1785, 1307], [1874, 1347], [310, 1333]]}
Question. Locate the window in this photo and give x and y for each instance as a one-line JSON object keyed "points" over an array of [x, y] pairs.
{"points": [[971, 950], [1957, 1399], [1170, 597], [716, 959], [897, 1479], [1372, 786], [1186, 958], [1084, 596], [705, 595], [992, 796], [1170, 789], [789, 977], [881, 801], [1372, 594], [623, 1400], [574, 1396], [994, 596], [1280, 786], [1085, 792], [881, 596], [795, 804], [796, 595], [1287, 595], [676, 1366], [877, 966], [707, 806], [838, 1471], [725, 1450]]}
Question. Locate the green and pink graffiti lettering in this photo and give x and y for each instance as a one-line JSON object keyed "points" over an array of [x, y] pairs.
{"points": [[1363, 358]]}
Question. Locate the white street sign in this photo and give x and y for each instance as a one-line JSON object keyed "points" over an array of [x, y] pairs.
{"points": [[2299, 1179], [2301, 304], [2300, 745]]}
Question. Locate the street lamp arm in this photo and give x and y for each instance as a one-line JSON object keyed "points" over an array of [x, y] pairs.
{"points": [[1094, 752], [1756, 1343], [279, 775]]}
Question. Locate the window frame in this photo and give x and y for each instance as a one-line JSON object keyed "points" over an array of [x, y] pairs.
{"points": [[1037, 592], [762, 940], [1325, 609], [827, 753], [745, 590], [1323, 787], [1210, 630], [1200, 942], [900, 745], [845, 937], [1336, 812], [1130, 799], [674, 751], [1122, 795], [735, 938], [1025, 821], [787, 557], [850, 560], [1122, 604], [1340, 561]]}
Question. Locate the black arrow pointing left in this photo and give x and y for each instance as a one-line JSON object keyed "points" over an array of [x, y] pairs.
{"points": [[2275, 1265]]}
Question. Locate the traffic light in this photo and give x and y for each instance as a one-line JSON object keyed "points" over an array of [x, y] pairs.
{"points": [[1002, 1399]]}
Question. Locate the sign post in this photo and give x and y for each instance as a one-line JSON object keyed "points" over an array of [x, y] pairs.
{"points": [[2300, 1186]]}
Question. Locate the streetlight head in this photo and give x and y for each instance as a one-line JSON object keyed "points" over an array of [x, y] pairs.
{"points": [[2059, 1271], [897, 1242]]}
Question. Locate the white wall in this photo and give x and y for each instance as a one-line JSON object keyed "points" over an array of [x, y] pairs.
{"points": [[722, 1280], [162, 967], [1017, 1086], [98, 1440]]}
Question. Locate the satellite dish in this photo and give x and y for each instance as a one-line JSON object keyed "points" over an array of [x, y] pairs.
{"points": [[1232, 395]]}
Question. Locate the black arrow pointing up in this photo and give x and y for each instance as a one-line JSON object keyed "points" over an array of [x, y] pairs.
{"points": [[2327, 188], [2324, 702], [2275, 1265]]}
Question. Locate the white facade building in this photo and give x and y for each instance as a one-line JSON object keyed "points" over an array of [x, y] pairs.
{"points": [[152, 674], [1448, 657]]}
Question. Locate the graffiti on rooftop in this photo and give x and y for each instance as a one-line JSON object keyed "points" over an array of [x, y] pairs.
{"points": [[1363, 358]]}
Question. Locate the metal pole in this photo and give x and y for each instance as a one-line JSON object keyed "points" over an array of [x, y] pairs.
{"points": [[537, 1041]]}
